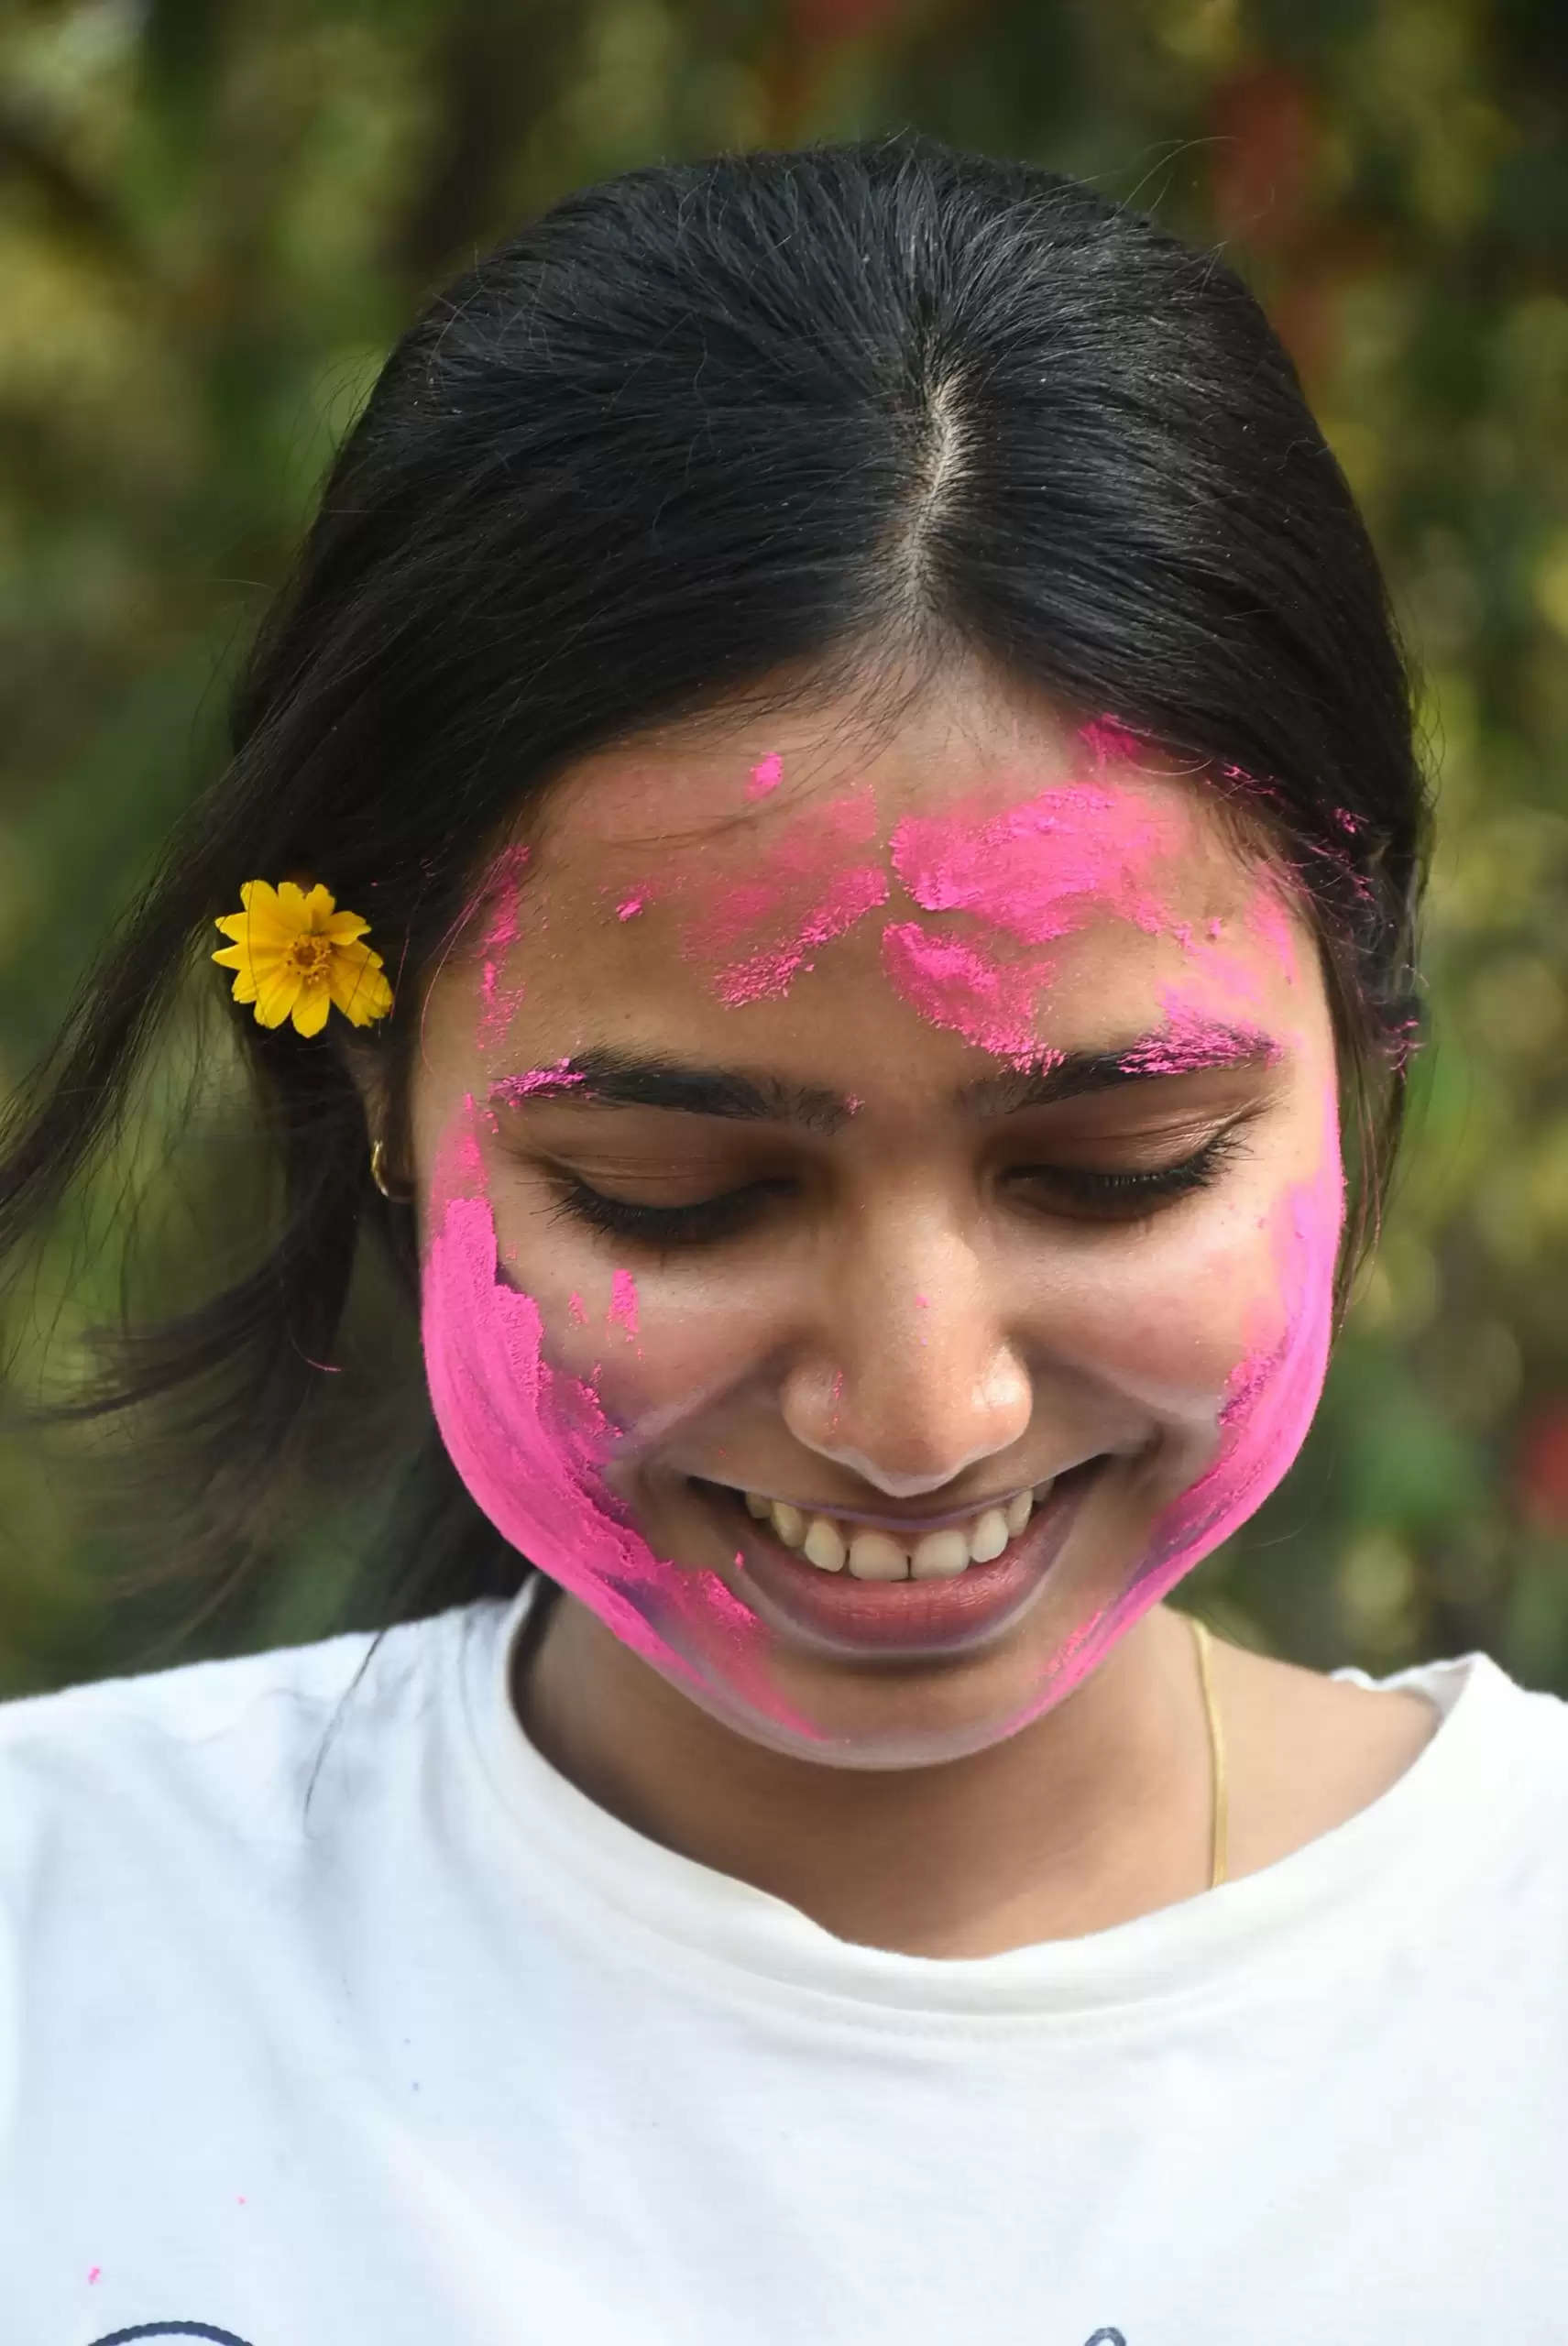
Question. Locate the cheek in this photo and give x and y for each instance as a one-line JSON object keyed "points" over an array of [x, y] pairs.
{"points": [[1273, 1387]]}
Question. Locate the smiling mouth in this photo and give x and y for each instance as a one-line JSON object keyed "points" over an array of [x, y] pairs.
{"points": [[836, 1543], [940, 1586]]}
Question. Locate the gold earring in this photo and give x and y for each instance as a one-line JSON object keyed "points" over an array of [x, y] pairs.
{"points": [[378, 1170]]}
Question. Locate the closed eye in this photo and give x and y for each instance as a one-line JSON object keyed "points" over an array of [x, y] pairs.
{"points": [[1102, 1193]]}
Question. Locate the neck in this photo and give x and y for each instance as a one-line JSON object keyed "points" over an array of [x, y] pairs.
{"points": [[1093, 1815]]}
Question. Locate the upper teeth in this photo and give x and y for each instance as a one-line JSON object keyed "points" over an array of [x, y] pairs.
{"points": [[876, 1556]]}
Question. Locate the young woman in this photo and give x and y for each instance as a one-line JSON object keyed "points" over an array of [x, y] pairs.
{"points": [[825, 849]]}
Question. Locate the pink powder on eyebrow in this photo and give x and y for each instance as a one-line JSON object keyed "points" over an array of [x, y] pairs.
{"points": [[1190, 1040], [559, 1077], [951, 984], [766, 776], [1043, 868], [623, 1301]]}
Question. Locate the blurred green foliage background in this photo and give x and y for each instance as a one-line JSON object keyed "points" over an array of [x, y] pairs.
{"points": [[215, 219]]}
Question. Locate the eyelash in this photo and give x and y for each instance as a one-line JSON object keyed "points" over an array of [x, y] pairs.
{"points": [[709, 1220]]}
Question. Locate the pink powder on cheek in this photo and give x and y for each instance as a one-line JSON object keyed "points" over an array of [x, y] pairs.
{"points": [[766, 776], [623, 1301], [1271, 1398], [533, 1443], [951, 984], [629, 906]]}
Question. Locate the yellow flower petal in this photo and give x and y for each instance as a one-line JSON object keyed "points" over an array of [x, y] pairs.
{"points": [[278, 992], [291, 905], [343, 927], [359, 990], [319, 907], [311, 1009]]}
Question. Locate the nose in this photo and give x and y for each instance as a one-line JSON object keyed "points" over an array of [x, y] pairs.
{"points": [[912, 1373]]}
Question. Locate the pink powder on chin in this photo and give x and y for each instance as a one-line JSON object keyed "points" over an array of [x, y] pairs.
{"points": [[950, 983], [623, 1301], [766, 776]]}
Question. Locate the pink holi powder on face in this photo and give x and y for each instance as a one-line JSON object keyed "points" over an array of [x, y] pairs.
{"points": [[811, 885], [534, 1446], [628, 907], [767, 976], [1045, 868], [1191, 1040], [623, 1301], [1271, 1398], [1110, 743], [559, 1077], [766, 776], [576, 1311], [953, 985]]}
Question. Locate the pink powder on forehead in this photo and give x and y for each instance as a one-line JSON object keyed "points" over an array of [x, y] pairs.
{"points": [[810, 887], [951, 983], [766, 775], [1043, 869]]}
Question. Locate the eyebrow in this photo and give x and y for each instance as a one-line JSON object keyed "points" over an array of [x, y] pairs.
{"points": [[612, 1078]]}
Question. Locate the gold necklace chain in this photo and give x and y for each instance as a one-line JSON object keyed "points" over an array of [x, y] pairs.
{"points": [[1220, 1835]]}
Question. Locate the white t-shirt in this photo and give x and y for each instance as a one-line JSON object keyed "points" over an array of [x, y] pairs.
{"points": [[458, 2060]]}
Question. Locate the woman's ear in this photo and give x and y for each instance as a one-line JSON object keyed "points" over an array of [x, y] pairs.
{"points": [[370, 1070]]}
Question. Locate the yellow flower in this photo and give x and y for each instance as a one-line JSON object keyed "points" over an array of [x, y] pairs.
{"points": [[295, 955]]}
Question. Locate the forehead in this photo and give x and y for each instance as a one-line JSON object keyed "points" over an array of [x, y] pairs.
{"points": [[977, 859], [968, 785]]}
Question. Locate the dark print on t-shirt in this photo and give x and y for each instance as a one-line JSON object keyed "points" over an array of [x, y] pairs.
{"points": [[172, 2329], [227, 2338]]}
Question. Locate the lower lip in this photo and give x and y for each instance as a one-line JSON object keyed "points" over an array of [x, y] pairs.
{"points": [[905, 1618]]}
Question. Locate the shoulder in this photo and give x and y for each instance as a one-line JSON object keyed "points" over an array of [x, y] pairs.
{"points": [[210, 1748], [1461, 1749]]}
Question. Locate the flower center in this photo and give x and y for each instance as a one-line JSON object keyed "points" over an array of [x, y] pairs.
{"points": [[312, 956]]}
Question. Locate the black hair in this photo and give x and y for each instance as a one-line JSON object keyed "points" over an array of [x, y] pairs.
{"points": [[695, 428]]}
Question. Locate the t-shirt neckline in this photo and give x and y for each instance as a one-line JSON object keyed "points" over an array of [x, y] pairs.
{"points": [[1405, 1853]]}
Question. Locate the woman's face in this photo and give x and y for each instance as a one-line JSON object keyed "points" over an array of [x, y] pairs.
{"points": [[878, 1202]]}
